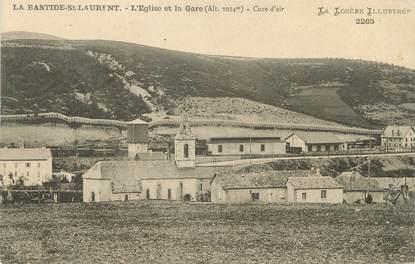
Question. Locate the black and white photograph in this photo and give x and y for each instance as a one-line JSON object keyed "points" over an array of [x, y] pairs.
{"points": [[203, 131]]}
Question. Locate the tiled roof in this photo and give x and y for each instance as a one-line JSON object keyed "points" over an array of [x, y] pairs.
{"points": [[126, 176], [323, 182], [318, 137], [243, 139], [396, 131], [137, 121], [265, 179], [354, 181], [25, 153]]}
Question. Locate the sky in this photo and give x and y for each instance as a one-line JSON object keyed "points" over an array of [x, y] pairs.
{"points": [[297, 32]]}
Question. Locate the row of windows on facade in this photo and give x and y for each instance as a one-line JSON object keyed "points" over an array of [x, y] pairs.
{"points": [[27, 174], [398, 144], [169, 191], [241, 148], [26, 164], [319, 147], [323, 194]]}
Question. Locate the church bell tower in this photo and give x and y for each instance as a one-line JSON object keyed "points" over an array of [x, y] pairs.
{"points": [[184, 147]]}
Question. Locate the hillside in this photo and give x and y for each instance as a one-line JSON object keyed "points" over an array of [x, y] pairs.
{"points": [[26, 35], [123, 80]]}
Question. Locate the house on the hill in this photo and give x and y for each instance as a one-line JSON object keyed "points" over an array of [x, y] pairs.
{"points": [[398, 137], [275, 187], [356, 187], [315, 142], [254, 145], [32, 166]]}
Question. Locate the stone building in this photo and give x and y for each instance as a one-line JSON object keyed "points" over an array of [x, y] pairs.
{"points": [[31, 166]]}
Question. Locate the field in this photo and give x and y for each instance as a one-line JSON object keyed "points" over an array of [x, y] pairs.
{"points": [[163, 232]]}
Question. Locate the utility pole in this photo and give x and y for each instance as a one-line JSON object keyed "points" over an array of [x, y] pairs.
{"points": [[368, 164]]}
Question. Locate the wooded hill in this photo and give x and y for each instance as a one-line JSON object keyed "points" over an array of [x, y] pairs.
{"points": [[108, 79]]}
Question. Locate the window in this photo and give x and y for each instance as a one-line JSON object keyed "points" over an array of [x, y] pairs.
{"points": [[200, 186], [255, 196], [310, 148], [92, 197], [219, 148], [168, 194], [323, 194], [126, 198], [304, 196], [147, 194], [27, 164], [38, 165], [262, 147], [186, 150], [241, 148]]}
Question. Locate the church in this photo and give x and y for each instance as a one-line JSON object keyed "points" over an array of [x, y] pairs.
{"points": [[178, 179]]}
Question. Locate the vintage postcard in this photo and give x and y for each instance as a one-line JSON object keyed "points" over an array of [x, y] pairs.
{"points": [[206, 131]]}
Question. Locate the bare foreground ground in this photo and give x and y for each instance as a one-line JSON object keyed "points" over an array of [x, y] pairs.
{"points": [[167, 232]]}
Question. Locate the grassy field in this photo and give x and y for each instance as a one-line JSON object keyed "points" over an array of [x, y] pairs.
{"points": [[163, 232]]}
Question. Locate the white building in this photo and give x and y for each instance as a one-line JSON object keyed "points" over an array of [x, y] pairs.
{"points": [[315, 142], [398, 137], [135, 180], [33, 166], [275, 187], [255, 145], [318, 189]]}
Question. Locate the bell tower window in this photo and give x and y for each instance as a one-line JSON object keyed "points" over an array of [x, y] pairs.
{"points": [[186, 150]]}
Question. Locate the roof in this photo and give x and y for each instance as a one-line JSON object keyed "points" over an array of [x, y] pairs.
{"points": [[265, 179], [384, 182], [152, 156], [354, 181], [396, 131], [137, 121], [323, 182], [25, 153], [243, 139], [185, 132], [318, 137], [126, 176]]}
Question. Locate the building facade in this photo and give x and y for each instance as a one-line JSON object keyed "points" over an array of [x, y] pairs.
{"points": [[398, 137], [296, 186], [179, 189], [246, 146], [315, 142], [314, 190], [30, 166]]}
